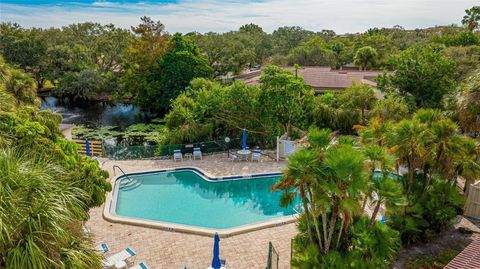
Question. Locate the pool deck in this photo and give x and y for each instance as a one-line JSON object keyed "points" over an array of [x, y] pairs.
{"points": [[165, 249]]}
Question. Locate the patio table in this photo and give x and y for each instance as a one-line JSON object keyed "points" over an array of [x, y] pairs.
{"points": [[243, 153]]}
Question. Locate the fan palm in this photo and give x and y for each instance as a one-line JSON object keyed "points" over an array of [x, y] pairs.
{"points": [[446, 146], [40, 215], [342, 178], [377, 158], [467, 164], [389, 193], [295, 181], [410, 140]]}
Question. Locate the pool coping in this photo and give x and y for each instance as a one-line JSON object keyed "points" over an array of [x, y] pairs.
{"points": [[110, 203]]}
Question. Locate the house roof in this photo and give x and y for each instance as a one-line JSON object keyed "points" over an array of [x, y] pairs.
{"points": [[468, 258], [326, 78]]}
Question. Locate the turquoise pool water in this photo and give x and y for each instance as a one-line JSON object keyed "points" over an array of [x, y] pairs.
{"points": [[184, 197]]}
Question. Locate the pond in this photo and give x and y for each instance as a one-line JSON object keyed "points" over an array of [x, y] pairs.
{"points": [[96, 114]]}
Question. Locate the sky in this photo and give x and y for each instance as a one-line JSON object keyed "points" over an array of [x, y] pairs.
{"points": [[342, 16]]}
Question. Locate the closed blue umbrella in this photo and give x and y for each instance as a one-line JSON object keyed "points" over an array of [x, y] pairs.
{"points": [[216, 264], [87, 147], [244, 139]]}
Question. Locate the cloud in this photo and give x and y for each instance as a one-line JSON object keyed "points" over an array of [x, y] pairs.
{"points": [[216, 15]]}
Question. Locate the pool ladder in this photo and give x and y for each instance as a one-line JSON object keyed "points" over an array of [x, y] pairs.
{"points": [[129, 183]]}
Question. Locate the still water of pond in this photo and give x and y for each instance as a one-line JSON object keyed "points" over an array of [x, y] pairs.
{"points": [[97, 114]]}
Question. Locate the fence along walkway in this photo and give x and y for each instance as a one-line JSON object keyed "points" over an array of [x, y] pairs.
{"points": [[150, 151], [96, 148]]}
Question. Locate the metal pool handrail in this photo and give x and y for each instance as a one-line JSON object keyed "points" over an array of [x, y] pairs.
{"points": [[125, 174]]}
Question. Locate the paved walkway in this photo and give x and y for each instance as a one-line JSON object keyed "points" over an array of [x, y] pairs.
{"points": [[173, 250]]}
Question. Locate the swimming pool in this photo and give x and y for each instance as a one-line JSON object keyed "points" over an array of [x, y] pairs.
{"points": [[188, 199]]}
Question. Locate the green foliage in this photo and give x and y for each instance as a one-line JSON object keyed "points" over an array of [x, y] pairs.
{"points": [[369, 248], [313, 52], [435, 154], [464, 38], [225, 53], [18, 85], [466, 59], [472, 18], [40, 211], [83, 85], [208, 110], [50, 54], [433, 262], [382, 44], [338, 112], [46, 189], [423, 73], [358, 97], [429, 212], [286, 38], [391, 108], [179, 66], [104, 132], [365, 57], [468, 103]]}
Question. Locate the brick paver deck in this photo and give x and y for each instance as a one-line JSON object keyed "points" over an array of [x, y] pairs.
{"points": [[164, 249]]}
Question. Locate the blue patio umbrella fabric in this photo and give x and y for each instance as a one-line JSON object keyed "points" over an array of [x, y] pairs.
{"points": [[87, 147], [244, 139], [216, 264]]}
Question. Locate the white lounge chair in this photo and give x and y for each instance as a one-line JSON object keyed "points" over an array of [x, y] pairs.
{"points": [[102, 248], [232, 156], [177, 155], [256, 155], [141, 265], [197, 153], [123, 255]]}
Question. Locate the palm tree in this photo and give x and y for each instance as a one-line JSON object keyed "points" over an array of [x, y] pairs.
{"points": [[41, 214], [446, 146], [342, 178], [467, 164], [376, 132], [389, 193], [409, 140], [377, 158], [295, 182]]}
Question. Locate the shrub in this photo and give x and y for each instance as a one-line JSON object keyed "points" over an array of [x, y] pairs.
{"points": [[429, 212]]}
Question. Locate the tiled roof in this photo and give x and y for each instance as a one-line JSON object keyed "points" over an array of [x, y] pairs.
{"points": [[469, 258], [325, 78]]}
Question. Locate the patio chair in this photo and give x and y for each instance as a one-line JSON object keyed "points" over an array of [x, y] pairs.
{"points": [[141, 265], [177, 155], [197, 153], [123, 255], [256, 155], [102, 248], [232, 156]]}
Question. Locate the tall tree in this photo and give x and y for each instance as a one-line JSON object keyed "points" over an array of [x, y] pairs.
{"points": [[358, 96], [423, 73], [471, 18], [182, 63], [141, 72], [365, 57], [286, 38]]}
